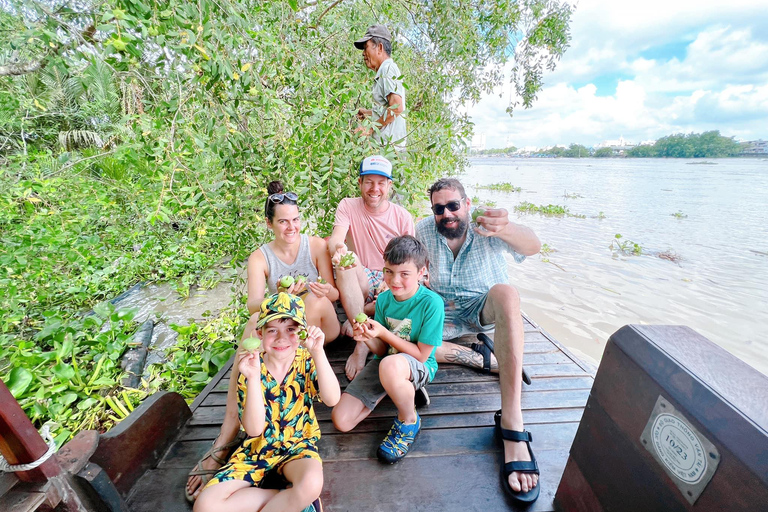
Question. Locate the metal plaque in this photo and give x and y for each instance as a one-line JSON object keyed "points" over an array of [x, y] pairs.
{"points": [[689, 458]]}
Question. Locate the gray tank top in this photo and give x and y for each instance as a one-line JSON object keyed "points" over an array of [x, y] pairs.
{"points": [[277, 269]]}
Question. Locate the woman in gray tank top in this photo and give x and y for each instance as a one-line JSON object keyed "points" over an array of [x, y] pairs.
{"points": [[293, 254]]}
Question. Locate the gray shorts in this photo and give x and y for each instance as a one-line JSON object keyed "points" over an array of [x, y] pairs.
{"points": [[367, 387], [464, 319]]}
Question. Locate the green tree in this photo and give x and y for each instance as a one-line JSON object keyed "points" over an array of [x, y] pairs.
{"points": [[576, 151], [137, 137], [603, 153], [643, 152]]}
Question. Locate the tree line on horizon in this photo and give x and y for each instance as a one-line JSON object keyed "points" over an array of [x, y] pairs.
{"points": [[692, 145]]}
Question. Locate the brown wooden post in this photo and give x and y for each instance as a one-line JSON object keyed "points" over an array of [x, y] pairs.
{"points": [[20, 442]]}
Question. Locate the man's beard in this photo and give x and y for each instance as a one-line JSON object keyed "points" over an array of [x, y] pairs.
{"points": [[453, 233]]}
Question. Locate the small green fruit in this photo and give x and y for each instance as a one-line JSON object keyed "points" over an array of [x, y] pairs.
{"points": [[303, 334], [286, 281], [251, 344], [348, 259], [361, 318], [301, 280], [321, 280], [118, 44], [477, 213]]}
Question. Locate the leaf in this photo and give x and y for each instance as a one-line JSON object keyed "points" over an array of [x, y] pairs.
{"points": [[18, 381], [67, 399], [294, 5], [64, 371]]}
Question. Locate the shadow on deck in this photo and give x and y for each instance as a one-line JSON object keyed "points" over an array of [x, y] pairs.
{"points": [[454, 464]]}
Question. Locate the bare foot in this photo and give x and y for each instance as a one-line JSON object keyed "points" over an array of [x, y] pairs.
{"points": [[195, 483], [356, 361], [518, 451], [346, 329]]}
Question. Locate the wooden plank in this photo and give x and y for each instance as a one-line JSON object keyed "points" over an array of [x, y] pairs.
{"points": [[225, 370], [438, 388], [136, 444], [20, 443], [574, 492], [466, 388], [430, 443], [439, 442], [440, 405], [481, 419], [451, 483], [160, 490], [17, 501], [7, 481]]}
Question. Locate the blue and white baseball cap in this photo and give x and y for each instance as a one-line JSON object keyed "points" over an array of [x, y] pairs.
{"points": [[376, 164]]}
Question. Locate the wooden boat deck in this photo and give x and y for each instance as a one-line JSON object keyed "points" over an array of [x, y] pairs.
{"points": [[454, 464]]}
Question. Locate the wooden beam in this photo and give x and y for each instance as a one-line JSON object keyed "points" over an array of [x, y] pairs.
{"points": [[19, 441]]}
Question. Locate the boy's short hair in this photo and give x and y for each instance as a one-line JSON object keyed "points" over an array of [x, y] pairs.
{"points": [[403, 249], [282, 305]]}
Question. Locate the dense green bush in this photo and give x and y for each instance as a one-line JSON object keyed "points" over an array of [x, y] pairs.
{"points": [[137, 138]]}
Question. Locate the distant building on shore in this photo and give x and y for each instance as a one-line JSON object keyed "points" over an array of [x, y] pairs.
{"points": [[619, 146], [755, 147]]}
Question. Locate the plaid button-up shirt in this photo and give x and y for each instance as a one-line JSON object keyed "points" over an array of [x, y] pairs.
{"points": [[479, 265]]}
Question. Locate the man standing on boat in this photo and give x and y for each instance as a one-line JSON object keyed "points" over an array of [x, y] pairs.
{"points": [[468, 270], [365, 225], [388, 90]]}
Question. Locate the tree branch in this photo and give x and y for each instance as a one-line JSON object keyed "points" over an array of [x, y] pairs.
{"points": [[317, 21], [24, 68]]}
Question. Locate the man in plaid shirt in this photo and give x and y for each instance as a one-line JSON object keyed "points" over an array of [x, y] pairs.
{"points": [[468, 269]]}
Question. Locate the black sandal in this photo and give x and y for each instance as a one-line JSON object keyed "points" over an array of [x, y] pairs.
{"points": [[485, 349], [520, 466]]}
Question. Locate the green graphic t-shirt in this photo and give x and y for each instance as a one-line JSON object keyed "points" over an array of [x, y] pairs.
{"points": [[418, 319]]}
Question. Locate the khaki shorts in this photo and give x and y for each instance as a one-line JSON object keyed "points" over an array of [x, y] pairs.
{"points": [[367, 387]]}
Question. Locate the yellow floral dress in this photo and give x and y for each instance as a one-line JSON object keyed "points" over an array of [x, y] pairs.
{"points": [[291, 431]]}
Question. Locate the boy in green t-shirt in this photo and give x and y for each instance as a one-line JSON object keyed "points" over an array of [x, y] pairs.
{"points": [[407, 328]]}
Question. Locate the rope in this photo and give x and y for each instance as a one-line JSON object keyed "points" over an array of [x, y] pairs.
{"points": [[15, 468]]}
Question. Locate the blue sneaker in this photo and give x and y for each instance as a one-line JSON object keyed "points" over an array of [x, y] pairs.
{"points": [[398, 441]]}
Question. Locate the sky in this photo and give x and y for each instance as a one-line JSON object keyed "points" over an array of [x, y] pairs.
{"points": [[643, 70]]}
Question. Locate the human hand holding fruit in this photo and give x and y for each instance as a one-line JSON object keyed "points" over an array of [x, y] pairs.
{"points": [[491, 221], [365, 328], [315, 339], [249, 358], [320, 288]]}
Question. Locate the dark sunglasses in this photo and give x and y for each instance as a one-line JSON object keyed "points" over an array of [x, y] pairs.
{"points": [[453, 206], [279, 198]]}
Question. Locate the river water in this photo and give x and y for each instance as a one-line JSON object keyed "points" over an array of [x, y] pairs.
{"points": [[582, 291]]}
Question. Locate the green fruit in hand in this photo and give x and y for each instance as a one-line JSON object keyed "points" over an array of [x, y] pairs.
{"points": [[300, 280], [347, 259], [321, 280], [251, 344], [286, 281], [303, 334], [361, 318], [477, 213]]}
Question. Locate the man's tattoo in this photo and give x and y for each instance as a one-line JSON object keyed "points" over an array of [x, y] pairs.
{"points": [[468, 357]]}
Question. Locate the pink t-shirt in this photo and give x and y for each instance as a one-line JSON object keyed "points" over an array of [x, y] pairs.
{"points": [[369, 233]]}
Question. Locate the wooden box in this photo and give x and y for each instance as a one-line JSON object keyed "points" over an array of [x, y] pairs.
{"points": [[673, 422]]}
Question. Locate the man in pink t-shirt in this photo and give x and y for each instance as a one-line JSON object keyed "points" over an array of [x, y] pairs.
{"points": [[365, 225]]}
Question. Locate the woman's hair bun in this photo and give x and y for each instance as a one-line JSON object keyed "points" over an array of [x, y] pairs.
{"points": [[274, 187]]}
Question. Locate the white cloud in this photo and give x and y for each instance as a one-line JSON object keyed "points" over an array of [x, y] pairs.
{"points": [[719, 82]]}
